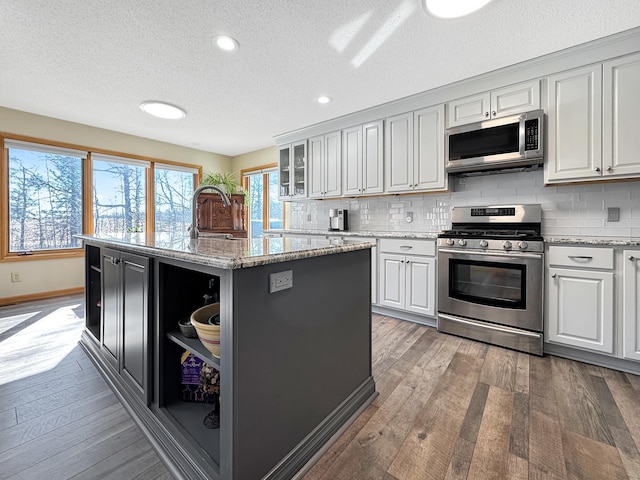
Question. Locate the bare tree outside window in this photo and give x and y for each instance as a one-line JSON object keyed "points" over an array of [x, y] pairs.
{"points": [[45, 200], [173, 191], [119, 193]]}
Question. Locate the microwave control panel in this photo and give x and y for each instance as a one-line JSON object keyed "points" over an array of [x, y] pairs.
{"points": [[531, 134]]}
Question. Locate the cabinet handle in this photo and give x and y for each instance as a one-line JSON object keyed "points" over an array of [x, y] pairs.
{"points": [[597, 169], [632, 258], [486, 114], [609, 168], [580, 257], [494, 113], [406, 247], [554, 275]]}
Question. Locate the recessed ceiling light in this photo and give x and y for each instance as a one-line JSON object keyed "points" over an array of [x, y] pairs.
{"points": [[225, 42], [452, 8], [324, 99], [162, 110]]}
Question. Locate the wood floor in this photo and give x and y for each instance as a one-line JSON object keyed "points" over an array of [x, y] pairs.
{"points": [[448, 408]]}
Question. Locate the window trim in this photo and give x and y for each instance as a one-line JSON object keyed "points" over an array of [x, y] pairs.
{"points": [[87, 191], [265, 170]]}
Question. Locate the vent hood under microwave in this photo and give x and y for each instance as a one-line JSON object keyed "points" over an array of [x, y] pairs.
{"points": [[510, 142]]}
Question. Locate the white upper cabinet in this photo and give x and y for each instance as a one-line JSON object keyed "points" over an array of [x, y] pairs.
{"points": [[593, 122], [325, 165], [621, 116], [362, 159], [428, 138], [510, 100], [414, 151], [574, 116], [398, 156], [292, 170]]}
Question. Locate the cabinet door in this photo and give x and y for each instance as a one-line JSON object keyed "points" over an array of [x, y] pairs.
{"points": [[333, 164], [420, 285], [352, 161], [621, 120], [631, 305], [581, 308], [284, 172], [574, 119], [469, 109], [135, 323], [373, 158], [392, 280], [429, 158], [299, 169], [399, 153], [515, 99], [316, 167], [110, 305]]}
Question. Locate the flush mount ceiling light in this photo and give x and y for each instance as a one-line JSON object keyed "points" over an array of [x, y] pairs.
{"points": [[225, 42], [324, 99], [452, 8], [162, 110]]}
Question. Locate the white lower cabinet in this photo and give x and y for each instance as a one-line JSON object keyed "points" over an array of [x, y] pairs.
{"points": [[581, 298], [407, 281], [631, 304]]}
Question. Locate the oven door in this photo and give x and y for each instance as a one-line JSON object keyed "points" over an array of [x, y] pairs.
{"points": [[503, 288]]}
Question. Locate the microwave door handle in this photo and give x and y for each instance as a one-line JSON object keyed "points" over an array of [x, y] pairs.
{"points": [[521, 140]]}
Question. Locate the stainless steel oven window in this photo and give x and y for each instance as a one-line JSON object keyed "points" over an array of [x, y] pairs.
{"points": [[488, 283]]}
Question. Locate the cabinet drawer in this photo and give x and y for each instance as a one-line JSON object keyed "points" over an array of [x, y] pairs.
{"points": [[408, 246], [581, 257]]}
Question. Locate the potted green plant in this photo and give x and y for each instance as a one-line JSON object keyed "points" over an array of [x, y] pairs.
{"points": [[226, 181]]}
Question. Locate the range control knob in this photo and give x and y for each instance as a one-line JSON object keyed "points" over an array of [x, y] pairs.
{"points": [[484, 243], [462, 242], [450, 242], [507, 245], [523, 245]]}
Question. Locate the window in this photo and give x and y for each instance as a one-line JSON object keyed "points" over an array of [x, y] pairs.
{"points": [[45, 197], [119, 194], [173, 189], [51, 193], [265, 211]]}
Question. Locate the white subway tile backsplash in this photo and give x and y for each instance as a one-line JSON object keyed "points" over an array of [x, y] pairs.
{"points": [[567, 210]]}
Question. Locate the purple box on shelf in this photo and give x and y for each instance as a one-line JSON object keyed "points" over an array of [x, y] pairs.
{"points": [[200, 382]]}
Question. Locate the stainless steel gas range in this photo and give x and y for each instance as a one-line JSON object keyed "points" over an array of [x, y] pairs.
{"points": [[490, 275]]}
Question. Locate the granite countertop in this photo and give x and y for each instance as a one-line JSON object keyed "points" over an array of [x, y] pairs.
{"points": [[416, 235], [226, 253], [594, 241]]}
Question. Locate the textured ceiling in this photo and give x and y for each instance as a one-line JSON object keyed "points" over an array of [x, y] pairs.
{"points": [[94, 61]]}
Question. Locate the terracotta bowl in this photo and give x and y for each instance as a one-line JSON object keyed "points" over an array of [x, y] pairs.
{"points": [[208, 334]]}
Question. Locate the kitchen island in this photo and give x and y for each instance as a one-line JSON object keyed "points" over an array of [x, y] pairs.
{"points": [[295, 345]]}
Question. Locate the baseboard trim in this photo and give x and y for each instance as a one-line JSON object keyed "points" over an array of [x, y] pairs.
{"points": [[404, 315], [39, 296]]}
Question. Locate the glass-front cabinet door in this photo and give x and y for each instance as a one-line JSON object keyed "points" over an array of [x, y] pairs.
{"points": [[292, 167]]}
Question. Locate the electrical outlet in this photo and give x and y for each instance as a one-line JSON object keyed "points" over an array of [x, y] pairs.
{"points": [[613, 214], [409, 217], [280, 281], [15, 277]]}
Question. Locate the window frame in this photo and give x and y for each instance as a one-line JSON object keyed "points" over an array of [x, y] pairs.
{"points": [[87, 193], [265, 170]]}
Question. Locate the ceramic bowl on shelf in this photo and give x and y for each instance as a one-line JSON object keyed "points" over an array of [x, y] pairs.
{"points": [[187, 329], [203, 320]]}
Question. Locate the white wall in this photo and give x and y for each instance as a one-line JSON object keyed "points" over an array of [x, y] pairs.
{"points": [[49, 275], [266, 156], [568, 210]]}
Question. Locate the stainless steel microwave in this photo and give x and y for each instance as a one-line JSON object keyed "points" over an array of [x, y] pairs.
{"points": [[507, 142]]}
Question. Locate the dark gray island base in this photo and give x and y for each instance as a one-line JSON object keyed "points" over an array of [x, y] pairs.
{"points": [[295, 364]]}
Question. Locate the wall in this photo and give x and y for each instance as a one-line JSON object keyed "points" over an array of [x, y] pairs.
{"points": [[255, 159], [569, 210], [47, 275]]}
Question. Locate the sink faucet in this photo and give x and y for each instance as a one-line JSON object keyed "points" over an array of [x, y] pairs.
{"points": [[193, 232]]}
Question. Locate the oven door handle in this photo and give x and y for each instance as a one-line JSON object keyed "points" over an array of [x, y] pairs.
{"points": [[493, 254], [490, 326]]}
